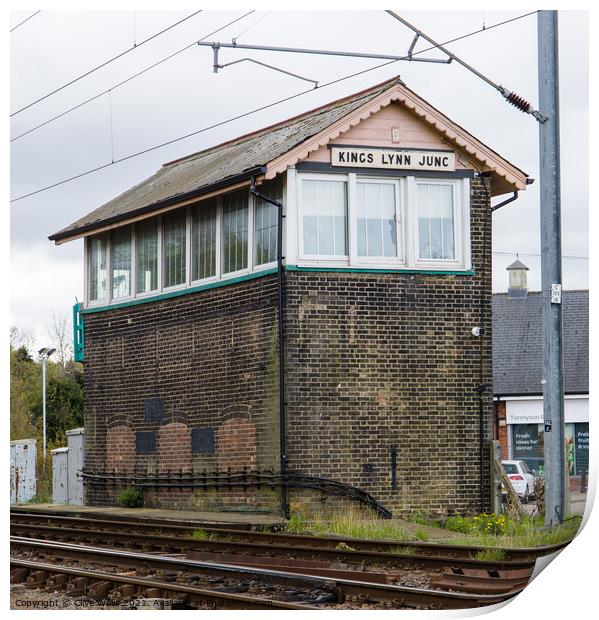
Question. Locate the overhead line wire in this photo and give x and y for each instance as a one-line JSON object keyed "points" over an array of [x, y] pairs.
{"points": [[250, 112], [132, 77], [25, 20], [107, 62]]}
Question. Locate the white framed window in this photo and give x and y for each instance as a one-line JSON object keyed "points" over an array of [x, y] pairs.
{"points": [[439, 211], [204, 240], [376, 222], [383, 222], [266, 223], [146, 256], [174, 248], [323, 217], [235, 227], [121, 240], [98, 268]]}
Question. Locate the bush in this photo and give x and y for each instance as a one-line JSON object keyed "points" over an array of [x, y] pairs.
{"points": [[130, 497]]}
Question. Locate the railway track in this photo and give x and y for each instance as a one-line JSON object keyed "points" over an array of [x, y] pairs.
{"points": [[230, 536], [466, 575], [442, 569], [200, 583]]}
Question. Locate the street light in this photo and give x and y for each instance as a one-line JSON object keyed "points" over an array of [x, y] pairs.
{"points": [[45, 355]]}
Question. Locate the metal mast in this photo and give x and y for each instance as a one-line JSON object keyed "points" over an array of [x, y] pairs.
{"points": [[551, 270]]}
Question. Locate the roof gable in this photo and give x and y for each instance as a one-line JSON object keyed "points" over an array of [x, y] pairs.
{"points": [[270, 150]]}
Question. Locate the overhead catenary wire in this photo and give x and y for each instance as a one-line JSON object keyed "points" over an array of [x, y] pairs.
{"points": [[245, 114], [252, 25], [25, 20], [510, 96], [532, 255], [131, 77], [104, 64]]}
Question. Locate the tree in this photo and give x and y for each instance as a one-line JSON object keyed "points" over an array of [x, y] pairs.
{"points": [[61, 337], [64, 394]]}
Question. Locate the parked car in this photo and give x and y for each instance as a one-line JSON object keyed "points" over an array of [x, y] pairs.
{"points": [[521, 477]]}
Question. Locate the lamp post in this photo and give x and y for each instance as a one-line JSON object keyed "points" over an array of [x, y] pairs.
{"points": [[44, 355]]}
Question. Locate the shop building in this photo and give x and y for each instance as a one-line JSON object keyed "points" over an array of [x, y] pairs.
{"points": [[518, 373], [219, 377]]}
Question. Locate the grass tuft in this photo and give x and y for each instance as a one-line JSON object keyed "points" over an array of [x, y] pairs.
{"points": [[130, 497], [201, 534], [350, 524], [490, 555]]}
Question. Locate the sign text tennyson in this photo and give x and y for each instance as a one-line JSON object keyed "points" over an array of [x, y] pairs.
{"points": [[357, 157]]}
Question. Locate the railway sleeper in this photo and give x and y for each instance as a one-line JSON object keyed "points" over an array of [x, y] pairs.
{"points": [[19, 575]]}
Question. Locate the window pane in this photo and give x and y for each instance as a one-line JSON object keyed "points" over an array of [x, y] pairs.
{"points": [[146, 252], [265, 223], [324, 211], [235, 232], [203, 241], [435, 222], [121, 262], [98, 274], [174, 242], [377, 233]]}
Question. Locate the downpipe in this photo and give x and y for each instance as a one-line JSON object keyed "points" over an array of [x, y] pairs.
{"points": [[281, 329]]}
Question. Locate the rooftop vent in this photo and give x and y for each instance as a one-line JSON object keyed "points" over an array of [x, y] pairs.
{"points": [[518, 286]]}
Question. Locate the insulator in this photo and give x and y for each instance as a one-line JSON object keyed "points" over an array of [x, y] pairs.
{"points": [[518, 102]]}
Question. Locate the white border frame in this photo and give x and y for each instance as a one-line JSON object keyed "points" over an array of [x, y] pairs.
{"points": [[461, 236], [379, 262], [317, 260]]}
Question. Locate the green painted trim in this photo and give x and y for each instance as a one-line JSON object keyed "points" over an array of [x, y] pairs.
{"points": [[432, 272], [78, 334], [184, 291], [260, 274]]}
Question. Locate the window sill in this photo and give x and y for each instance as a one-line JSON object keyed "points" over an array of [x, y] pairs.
{"points": [[225, 281], [437, 270]]}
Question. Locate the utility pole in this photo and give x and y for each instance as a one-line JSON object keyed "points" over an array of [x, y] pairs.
{"points": [[45, 355], [551, 270]]}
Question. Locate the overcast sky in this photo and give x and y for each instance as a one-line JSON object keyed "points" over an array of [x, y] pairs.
{"points": [[183, 95]]}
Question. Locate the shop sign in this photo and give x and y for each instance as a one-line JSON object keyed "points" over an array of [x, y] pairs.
{"points": [[581, 446], [357, 157], [526, 441]]}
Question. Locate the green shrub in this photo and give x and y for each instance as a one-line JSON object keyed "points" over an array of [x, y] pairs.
{"points": [[497, 525], [459, 524], [130, 497]]}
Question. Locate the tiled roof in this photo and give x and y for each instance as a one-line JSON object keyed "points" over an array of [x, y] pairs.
{"points": [[235, 161], [219, 163], [518, 345]]}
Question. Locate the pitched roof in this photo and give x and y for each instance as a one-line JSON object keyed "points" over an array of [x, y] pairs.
{"points": [[250, 155], [518, 343], [517, 264]]}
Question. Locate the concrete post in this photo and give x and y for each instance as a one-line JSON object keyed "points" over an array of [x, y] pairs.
{"points": [[551, 268]]}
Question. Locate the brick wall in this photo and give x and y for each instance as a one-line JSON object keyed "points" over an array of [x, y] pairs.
{"points": [[501, 428], [186, 385], [375, 361]]}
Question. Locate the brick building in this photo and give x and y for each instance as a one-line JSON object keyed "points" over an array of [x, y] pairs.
{"points": [[518, 373], [378, 390]]}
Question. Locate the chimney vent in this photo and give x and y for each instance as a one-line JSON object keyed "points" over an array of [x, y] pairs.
{"points": [[518, 286]]}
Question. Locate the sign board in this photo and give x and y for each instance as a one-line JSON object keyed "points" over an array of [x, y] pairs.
{"points": [[392, 159], [527, 442]]}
